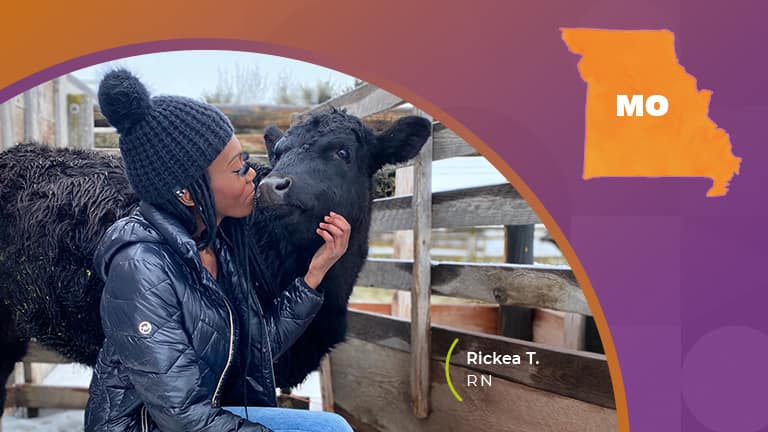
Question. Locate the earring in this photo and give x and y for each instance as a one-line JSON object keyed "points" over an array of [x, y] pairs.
{"points": [[179, 192]]}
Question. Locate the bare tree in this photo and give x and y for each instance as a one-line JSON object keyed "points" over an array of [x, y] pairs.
{"points": [[284, 93], [240, 85], [246, 85], [288, 92]]}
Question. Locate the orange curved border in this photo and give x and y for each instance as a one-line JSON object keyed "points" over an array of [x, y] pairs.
{"points": [[36, 64]]}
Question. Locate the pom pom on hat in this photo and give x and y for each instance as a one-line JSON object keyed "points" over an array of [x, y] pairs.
{"points": [[123, 99]]}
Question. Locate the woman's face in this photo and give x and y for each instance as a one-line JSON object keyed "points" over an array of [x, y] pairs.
{"points": [[232, 193]]}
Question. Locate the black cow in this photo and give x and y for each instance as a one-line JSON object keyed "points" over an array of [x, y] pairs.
{"points": [[327, 164], [56, 204]]}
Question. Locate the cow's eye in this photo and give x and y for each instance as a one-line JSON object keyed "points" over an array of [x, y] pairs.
{"points": [[343, 154]]}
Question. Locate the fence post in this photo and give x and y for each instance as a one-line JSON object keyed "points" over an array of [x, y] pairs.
{"points": [[326, 384], [59, 113], [80, 121], [30, 411], [421, 348], [31, 115], [517, 321], [403, 243], [574, 331], [7, 126]]}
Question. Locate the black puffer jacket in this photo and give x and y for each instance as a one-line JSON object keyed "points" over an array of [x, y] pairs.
{"points": [[173, 354]]}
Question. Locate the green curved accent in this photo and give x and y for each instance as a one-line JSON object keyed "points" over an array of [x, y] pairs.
{"points": [[448, 371]]}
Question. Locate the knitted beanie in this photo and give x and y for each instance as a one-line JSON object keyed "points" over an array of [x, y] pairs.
{"points": [[166, 141]]}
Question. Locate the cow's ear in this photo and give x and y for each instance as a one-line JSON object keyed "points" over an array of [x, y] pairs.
{"points": [[272, 135], [401, 142]]}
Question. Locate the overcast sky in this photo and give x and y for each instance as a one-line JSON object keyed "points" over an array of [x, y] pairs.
{"points": [[191, 73]]}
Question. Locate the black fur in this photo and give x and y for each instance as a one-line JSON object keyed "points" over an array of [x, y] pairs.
{"points": [[323, 179]]}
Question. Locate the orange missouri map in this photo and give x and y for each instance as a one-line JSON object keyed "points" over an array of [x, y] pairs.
{"points": [[645, 116]]}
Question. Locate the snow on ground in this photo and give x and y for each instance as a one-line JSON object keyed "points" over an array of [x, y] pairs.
{"points": [[74, 375], [49, 421], [70, 375]]}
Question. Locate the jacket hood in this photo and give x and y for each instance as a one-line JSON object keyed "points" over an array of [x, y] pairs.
{"points": [[146, 224]]}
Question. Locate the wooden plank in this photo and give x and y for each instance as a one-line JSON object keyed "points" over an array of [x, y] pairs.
{"points": [[7, 127], [80, 121], [575, 374], [46, 115], [372, 382], [41, 396], [473, 317], [362, 101], [258, 117], [422, 274], [517, 321], [292, 401], [326, 384], [544, 286], [574, 326], [485, 205], [548, 327], [447, 144], [255, 158], [403, 244], [31, 115], [30, 411], [60, 113], [478, 318], [37, 353], [379, 308], [357, 425]]}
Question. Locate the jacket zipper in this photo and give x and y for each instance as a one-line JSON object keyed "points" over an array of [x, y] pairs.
{"points": [[214, 399], [144, 420], [269, 349], [271, 365]]}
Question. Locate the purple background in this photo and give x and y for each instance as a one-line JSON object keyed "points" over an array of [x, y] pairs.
{"points": [[679, 276]]}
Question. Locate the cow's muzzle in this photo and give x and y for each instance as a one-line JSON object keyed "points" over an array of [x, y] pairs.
{"points": [[272, 189]]}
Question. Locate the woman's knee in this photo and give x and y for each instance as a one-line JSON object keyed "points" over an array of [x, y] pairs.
{"points": [[335, 423]]}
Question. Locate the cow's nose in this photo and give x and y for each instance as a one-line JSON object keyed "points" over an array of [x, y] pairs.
{"points": [[274, 188], [282, 184]]}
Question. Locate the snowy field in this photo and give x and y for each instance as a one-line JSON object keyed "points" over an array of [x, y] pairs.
{"points": [[73, 375]]}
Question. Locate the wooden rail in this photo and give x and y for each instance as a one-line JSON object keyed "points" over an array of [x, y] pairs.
{"points": [[550, 287], [34, 396], [42, 396], [448, 145], [361, 102], [485, 205]]}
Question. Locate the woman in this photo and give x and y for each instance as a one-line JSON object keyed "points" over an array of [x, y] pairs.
{"points": [[184, 335]]}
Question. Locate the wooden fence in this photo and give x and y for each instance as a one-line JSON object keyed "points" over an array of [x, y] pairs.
{"points": [[33, 396], [388, 375], [58, 113]]}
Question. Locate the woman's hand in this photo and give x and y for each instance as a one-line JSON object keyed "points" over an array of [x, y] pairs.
{"points": [[335, 231]]}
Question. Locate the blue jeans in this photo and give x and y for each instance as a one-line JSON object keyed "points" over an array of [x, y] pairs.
{"points": [[294, 420]]}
